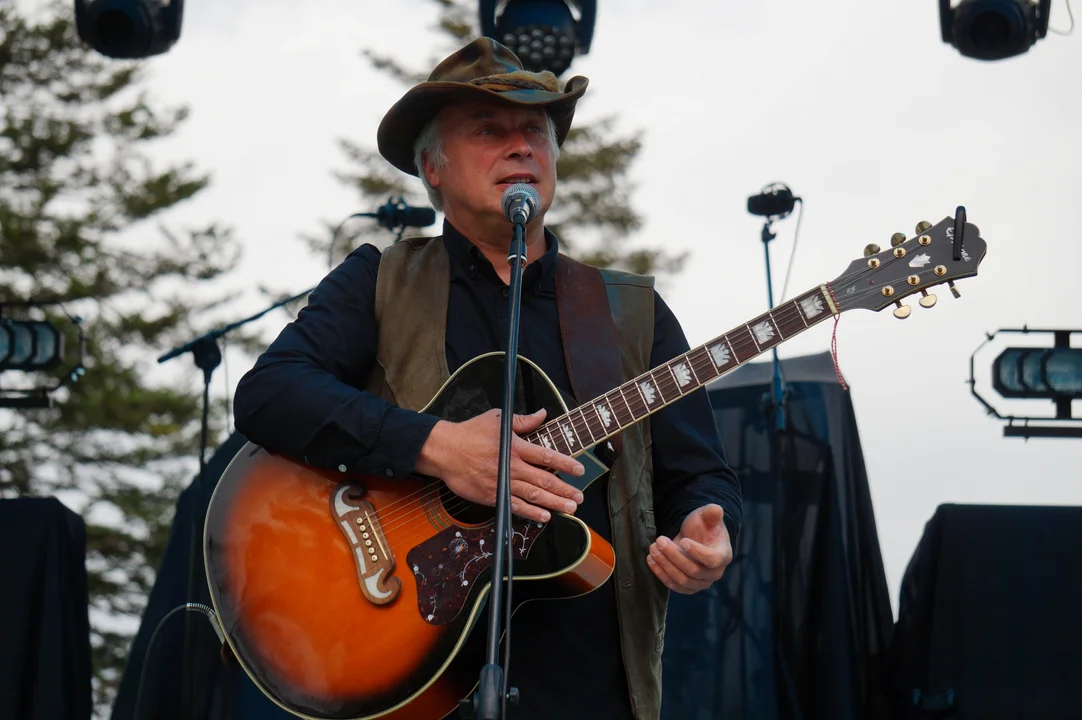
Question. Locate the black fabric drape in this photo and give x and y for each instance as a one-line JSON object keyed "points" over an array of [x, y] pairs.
{"points": [[163, 685], [989, 622], [44, 621], [799, 626]]}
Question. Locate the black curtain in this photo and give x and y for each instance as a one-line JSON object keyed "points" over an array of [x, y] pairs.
{"points": [[215, 683], [44, 613], [990, 616], [799, 626]]}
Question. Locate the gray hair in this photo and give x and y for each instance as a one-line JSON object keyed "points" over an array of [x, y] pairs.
{"points": [[430, 141]]}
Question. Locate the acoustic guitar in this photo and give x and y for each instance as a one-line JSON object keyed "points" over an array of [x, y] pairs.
{"points": [[346, 596]]}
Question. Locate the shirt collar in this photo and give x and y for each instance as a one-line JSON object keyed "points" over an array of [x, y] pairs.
{"points": [[539, 275]]}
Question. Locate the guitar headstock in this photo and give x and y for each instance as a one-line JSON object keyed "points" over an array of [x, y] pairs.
{"points": [[937, 254]]}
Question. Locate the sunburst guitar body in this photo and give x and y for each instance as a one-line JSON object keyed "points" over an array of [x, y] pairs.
{"points": [[346, 596]]}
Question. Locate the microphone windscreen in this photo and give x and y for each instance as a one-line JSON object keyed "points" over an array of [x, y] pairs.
{"points": [[523, 192]]}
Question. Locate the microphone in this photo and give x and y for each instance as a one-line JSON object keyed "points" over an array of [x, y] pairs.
{"points": [[775, 200], [398, 215], [520, 203]]}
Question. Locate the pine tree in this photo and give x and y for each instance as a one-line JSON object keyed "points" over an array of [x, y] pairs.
{"points": [[592, 213], [82, 228]]}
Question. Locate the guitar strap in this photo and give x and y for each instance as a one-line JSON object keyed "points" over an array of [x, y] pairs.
{"points": [[589, 336]]}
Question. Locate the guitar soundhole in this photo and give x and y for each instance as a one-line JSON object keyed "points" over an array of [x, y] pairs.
{"points": [[464, 511]]}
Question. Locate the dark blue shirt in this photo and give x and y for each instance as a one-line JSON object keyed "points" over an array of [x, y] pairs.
{"points": [[302, 399]]}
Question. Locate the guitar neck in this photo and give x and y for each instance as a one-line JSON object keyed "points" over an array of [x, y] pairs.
{"points": [[605, 416]]}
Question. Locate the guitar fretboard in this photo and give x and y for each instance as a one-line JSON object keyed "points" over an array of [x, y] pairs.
{"points": [[601, 418]]}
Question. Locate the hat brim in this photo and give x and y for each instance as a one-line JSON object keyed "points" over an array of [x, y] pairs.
{"points": [[406, 119]]}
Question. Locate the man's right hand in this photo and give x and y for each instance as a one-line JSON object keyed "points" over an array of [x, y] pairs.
{"points": [[466, 456]]}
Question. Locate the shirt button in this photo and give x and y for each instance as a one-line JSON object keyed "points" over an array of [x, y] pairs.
{"points": [[506, 292], [341, 468], [389, 472]]}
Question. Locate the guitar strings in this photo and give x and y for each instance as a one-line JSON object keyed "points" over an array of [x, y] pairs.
{"points": [[785, 315], [667, 382], [403, 519]]}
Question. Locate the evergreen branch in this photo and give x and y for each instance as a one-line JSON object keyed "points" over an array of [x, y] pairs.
{"points": [[387, 64]]}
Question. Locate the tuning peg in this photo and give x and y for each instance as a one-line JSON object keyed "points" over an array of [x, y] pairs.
{"points": [[928, 300], [954, 290], [922, 226], [897, 239], [871, 249], [902, 311]]}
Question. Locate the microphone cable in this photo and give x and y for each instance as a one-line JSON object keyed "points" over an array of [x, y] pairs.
{"points": [[334, 238], [792, 253], [192, 606]]}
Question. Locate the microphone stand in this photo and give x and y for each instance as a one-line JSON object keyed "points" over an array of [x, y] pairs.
{"points": [[777, 390], [777, 428], [492, 696], [207, 356]]}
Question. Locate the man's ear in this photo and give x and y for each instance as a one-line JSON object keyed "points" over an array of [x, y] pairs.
{"points": [[429, 169]]}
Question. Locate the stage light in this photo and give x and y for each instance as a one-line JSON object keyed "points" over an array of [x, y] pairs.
{"points": [[1040, 373], [127, 29], [993, 29], [35, 346], [545, 34], [1036, 373], [29, 345]]}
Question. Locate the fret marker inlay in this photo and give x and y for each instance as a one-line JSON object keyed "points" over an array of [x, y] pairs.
{"points": [[647, 391], [606, 416], [763, 332], [812, 306], [720, 353], [683, 375]]}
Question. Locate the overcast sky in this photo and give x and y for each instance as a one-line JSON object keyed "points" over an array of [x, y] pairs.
{"points": [[858, 107]]}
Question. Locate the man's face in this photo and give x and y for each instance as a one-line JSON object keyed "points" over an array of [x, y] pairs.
{"points": [[489, 147]]}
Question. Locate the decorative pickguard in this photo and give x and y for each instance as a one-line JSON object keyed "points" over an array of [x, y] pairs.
{"points": [[372, 556], [447, 565]]}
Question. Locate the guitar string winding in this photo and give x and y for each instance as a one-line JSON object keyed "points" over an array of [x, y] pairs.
{"points": [[786, 315]]}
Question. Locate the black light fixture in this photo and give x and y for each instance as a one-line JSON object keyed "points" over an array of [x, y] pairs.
{"points": [[544, 34], [35, 346], [1037, 373], [993, 29], [129, 29], [1048, 373], [29, 345]]}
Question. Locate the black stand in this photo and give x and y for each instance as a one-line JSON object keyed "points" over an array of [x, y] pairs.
{"points": [[776, 399], [779, 441], [207, 356], [492, 696]]}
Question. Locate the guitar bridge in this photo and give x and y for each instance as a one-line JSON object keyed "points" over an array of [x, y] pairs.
{"points": [[372, 555]]}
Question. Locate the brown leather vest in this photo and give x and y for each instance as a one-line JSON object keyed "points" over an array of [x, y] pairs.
{"points": [[411, 366]]}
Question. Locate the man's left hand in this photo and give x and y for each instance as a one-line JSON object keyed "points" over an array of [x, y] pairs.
{"points": [[697, 557]]}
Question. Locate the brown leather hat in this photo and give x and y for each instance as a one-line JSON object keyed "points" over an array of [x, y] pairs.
{"points": [[482, 69]]}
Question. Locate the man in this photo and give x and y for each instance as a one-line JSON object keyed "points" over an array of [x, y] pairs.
{"points": [[321, 391]]}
